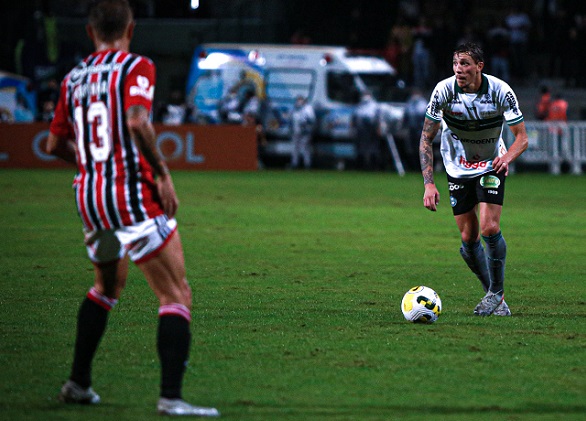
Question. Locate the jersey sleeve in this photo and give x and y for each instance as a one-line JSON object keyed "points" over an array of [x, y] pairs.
{"points": [[60, 125], [139, 85], [512, 113], [434, 110]]}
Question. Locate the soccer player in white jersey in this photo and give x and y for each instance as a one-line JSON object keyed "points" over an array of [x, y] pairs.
{"points": [[471, 108]]}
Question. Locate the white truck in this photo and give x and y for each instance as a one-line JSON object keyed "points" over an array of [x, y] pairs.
{"points": [[330, 78]]}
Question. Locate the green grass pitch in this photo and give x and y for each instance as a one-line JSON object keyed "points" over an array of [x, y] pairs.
{"points": [[297, 279]]}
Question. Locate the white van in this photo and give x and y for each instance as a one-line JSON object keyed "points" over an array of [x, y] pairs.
{"points": [[331, 78]]}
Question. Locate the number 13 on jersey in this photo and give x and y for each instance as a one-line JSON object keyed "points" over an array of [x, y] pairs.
{"points": [[100, 141]]}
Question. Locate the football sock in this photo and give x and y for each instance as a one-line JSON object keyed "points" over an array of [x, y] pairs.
{"points": [[473, 254], [92, 319], [173, 342], [496, 251]]}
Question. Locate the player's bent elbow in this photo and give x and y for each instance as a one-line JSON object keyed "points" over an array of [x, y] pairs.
{"points": [[136, 124]]}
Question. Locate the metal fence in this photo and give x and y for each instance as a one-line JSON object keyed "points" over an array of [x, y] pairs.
{"points": [[554, 144]]}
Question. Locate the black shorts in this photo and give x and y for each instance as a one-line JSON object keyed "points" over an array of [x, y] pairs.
{"points": [[465, 193]]}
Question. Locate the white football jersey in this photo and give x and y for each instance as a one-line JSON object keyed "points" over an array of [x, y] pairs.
{"points": [[472, 124]]}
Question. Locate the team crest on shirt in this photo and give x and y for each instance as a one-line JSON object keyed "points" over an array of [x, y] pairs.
{"points": [[487, 99], [142, 88]]}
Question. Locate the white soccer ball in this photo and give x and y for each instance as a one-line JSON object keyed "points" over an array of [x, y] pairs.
{"points": [[421, 304]]}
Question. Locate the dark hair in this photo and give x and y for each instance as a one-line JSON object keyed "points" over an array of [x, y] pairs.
{"points": [[109, 18], [472, 49]]}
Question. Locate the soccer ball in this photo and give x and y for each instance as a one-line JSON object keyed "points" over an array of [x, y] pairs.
{"points": [[421, 304]]}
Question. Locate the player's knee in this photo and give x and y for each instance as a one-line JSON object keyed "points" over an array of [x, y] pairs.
{"points": [[490, 229], [469, 237]]}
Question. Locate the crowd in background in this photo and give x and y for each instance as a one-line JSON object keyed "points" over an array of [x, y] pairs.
{"points": [[524, 41]]}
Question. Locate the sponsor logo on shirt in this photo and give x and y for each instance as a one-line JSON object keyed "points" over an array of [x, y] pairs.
{"points": [[452, 112], [83, 70], [484, 141], [510, 98], [142, 88], [472, 164], [434, 107]]}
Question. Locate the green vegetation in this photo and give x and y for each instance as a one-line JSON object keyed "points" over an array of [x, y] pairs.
{"points": [[297, 279]]}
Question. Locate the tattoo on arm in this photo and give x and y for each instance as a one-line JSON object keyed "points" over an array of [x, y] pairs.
{"points": [[428, 133], [144, 136]]}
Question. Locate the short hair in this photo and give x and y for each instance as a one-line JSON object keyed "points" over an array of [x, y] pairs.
{"points": [[109, 18], [472, 49]]}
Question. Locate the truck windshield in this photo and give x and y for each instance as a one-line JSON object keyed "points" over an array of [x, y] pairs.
{"points": [[342, 87], [383, 87]]}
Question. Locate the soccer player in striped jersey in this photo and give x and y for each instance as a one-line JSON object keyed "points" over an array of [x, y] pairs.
{"points": [[471, 108], [125, 199]]}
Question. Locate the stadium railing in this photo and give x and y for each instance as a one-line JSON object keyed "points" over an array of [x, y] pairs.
{"points": [[553, 144]]}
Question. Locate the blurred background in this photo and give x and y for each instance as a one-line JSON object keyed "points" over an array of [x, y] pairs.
{"points": [[537, 46], [540, 41]]}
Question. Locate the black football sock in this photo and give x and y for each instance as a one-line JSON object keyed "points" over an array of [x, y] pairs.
{"points": [[173, 341], [496, 251], [473, 254], [91, 324]]}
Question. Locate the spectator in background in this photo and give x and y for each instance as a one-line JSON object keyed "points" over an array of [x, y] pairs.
{"points": [[252, 115], [498, 46], [558, 109], [302, 127], [392, 52], [244, 88], [47, 100], [47, 111], [542, 107], [421, 56], [558, 116], [366, 125], [175, 111], [401, 35], [229, 107], [413, 121], [251, 109], [519, 25], [442, 42]]}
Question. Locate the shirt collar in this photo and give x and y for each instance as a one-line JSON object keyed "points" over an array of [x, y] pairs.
{"points": [[483, 87]]}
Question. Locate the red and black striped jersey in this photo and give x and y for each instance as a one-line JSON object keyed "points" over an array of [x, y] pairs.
{"points": [[114, 185]]}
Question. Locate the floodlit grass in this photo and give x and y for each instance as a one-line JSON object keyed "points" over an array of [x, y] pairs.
{"points": [[297, 279]]}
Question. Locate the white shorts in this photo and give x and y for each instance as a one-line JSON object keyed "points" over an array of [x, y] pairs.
{"points": [[141, 241]]}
